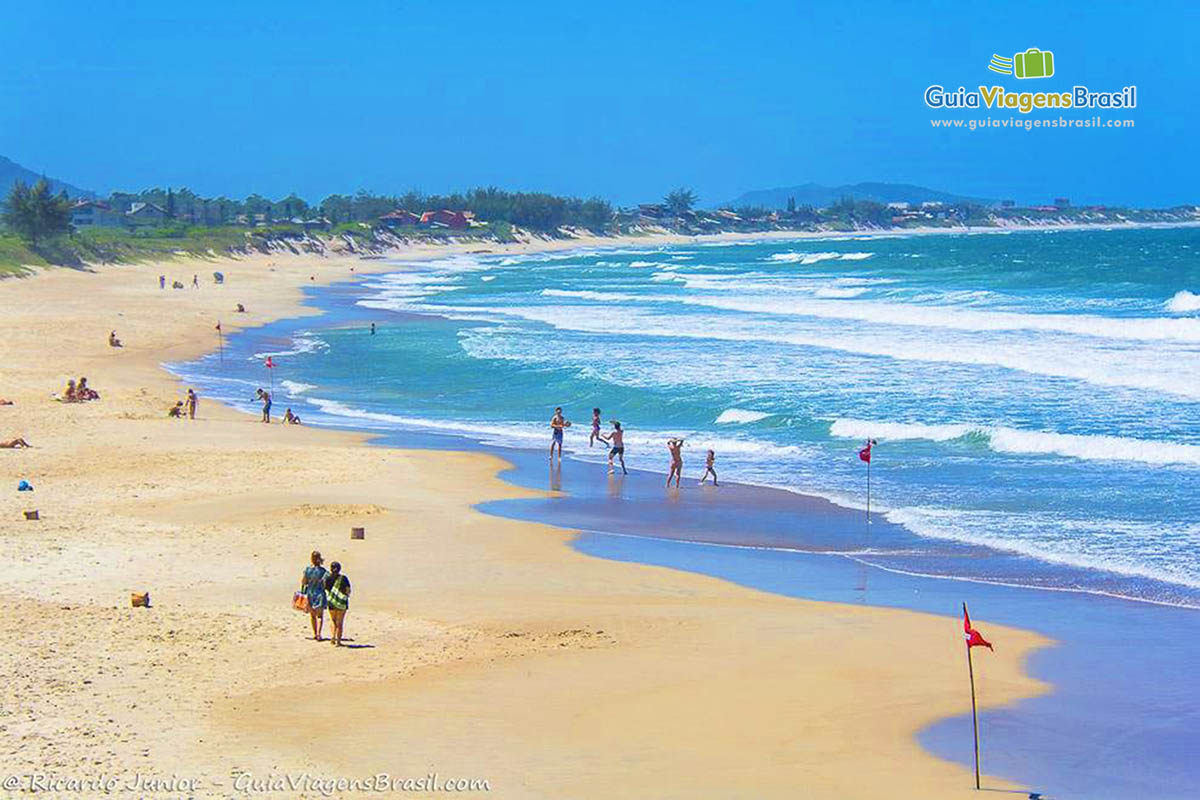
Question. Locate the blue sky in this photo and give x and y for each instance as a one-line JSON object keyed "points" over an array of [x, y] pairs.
{"points": [[623, 100]]}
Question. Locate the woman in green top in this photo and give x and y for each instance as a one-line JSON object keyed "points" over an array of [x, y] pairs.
{"points": [[337, 597]]}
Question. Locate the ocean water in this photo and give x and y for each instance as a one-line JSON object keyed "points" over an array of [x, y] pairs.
{"points": [[1035, 396]]}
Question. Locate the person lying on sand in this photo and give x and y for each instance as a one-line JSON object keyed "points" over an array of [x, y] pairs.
{"points": [[113, 341], [290, 419], [14, 444], [176, 411], [4, 402]]}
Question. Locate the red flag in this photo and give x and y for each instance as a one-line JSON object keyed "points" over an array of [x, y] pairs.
{"points": [[973, 637], [270, 363], [865, 453]]}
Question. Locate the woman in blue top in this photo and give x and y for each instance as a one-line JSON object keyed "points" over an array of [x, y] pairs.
{"points": [[312, 583]]}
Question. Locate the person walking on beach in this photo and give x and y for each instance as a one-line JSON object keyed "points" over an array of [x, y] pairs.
{"points": [[162, 281], [709, 469], [337, 597], [190, 404], [616, 440], [195, 281], [266, 401], [675, 446], [557, 424], [595, 428], [312, 583]]}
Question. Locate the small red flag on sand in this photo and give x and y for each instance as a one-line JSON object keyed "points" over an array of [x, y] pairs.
{"points": [[270, 363], [973, 637], [865, 453]]}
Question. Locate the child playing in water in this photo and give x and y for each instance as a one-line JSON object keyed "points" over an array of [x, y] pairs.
{"points": [[709, 469], [675, 446], [595, 428]]}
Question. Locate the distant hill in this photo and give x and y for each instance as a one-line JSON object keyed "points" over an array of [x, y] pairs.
{"points": [[11, 171], [818, 196]]}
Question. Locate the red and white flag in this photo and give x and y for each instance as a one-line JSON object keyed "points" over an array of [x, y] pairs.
{"points": [[974, 638], [269, 363]]}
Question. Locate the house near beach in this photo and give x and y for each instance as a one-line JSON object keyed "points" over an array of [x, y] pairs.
{"points": [[447, 219], [146, 214], [400, 219], [95, 214]]}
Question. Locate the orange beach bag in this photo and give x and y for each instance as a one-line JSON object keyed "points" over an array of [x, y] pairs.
{"points": [[300, 601]]}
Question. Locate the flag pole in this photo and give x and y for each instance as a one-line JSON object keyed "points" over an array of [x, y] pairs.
{"points": [[868, 491], [220, 342], [974, 715]]}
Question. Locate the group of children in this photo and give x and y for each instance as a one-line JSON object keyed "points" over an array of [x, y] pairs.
{"points": [[616, 444], [78, 392], [185, 407]]}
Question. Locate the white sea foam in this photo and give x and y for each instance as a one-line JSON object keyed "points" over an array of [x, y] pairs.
{"points": [[740, 416], [487, 278], [295, 388], [645, 264], [1125, 547], [1184, 302], [813, 258], [585, 294], [304, 342], [1014, 441], [838, 292]]}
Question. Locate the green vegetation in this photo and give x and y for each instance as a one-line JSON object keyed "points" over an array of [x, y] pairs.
{"points": [[35, 226], [36, 214], [680, 201]]}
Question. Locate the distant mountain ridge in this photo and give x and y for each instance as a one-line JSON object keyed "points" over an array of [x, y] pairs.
{"points": [[818, 196], [11, 171]]}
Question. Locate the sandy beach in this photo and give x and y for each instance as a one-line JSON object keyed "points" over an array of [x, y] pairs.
{"points": [[483, 648]]}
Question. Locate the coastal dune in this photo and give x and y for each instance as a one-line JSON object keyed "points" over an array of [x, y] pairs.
{"points": [[482, 648]]}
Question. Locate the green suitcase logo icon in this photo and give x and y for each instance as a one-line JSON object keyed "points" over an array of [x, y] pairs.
{"points": [[1033, 63]]}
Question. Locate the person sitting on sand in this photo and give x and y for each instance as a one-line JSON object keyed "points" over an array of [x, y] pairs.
{"points": [[70, 395], [617, 450], [337, 596], [290, 419], [241, 309], [675, 446], [190, 403], [557, 424], [113, 341], [176, 411], [83, 392], [14, 444], [312, 583], [709, 469]]}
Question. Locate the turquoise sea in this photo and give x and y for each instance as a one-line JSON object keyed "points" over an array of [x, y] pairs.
{"points": [[1034, 395]]}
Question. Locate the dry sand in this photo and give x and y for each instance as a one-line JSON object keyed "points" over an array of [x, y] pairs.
{"points": [[484, 648]]}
